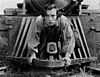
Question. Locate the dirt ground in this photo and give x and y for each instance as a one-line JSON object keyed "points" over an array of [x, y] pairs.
{"points": [[77, 75], [95, 72], [27, 74]]}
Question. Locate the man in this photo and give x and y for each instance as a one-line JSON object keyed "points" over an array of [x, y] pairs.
{"points": [[51, 17]]}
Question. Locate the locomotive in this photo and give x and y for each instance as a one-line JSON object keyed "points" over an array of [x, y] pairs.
{"points": [[16, 24]]}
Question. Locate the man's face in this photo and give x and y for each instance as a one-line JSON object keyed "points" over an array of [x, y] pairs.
{"points": [[50, 17]]}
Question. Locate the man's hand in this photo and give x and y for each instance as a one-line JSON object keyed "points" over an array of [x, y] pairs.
{"points": [[67, 58], [33, 56]]}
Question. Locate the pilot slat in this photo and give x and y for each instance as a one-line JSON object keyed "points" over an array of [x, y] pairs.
{"points": [[23, 38], [88, 53], [81, 51], [75, 26], [80, 38], [20, 31], [30, 27]]}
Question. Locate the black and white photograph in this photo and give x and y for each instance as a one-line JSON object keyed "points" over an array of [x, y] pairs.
{"points": [[49, 38]]}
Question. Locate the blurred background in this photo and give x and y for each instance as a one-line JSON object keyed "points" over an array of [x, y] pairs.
{"points": [[93, 4]]}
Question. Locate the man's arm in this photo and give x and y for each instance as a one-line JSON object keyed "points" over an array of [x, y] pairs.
{"points": [[69, 40], [33, 40], [34, 34]]}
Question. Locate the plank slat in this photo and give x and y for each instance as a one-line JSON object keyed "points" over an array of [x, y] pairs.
{"points": [[27, 37], [20, 31], [23, 36], [74, 20], [84, 37]]}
